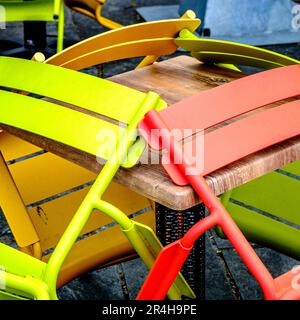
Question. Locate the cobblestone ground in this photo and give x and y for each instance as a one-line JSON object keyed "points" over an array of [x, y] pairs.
{"points": [[226, 276]]}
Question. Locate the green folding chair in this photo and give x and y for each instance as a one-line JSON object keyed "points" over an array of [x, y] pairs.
{"points": [[266, 209], [36, 10], [26, 276], [222, 52]]}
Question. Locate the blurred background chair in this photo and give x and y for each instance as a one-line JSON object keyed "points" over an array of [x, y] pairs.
{"points": [[34, 14]]}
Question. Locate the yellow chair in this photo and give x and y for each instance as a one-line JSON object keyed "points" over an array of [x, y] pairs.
{"points": [[150, 39], [35, 196]]}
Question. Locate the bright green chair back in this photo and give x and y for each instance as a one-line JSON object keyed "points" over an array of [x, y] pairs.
{"points": [[80, 130], [266, 209], [37, 10]]}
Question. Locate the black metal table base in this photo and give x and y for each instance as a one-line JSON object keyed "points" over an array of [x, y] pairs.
{"points": [[172, 225]]}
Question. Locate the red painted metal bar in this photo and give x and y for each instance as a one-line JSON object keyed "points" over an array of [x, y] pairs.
{"points": [[247, 135]]}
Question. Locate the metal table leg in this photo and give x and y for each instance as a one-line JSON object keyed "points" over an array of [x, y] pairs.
{"points": [[35, 39], [35, 35], [172, 225]]}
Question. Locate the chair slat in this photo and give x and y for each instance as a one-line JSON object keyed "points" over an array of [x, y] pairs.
{"points": [[237, 59], [56, 122], [219, 104], [156, 47], [267, 232], [281, 201], [248, 135], [46, 215], [293, 168], [91, 93], [212, 45], [47, 175], [12, 259], [20, 148]]}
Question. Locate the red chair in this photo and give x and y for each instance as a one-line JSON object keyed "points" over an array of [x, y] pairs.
{"points": [[222, 146]]}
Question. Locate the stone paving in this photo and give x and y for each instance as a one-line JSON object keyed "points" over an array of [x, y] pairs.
{"points": [[226, 277]]}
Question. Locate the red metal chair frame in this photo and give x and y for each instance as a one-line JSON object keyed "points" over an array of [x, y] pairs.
{"points": [[244, 136]]}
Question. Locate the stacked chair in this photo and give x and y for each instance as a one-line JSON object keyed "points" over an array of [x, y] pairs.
{"points": [[200, 157], [152, 40]]}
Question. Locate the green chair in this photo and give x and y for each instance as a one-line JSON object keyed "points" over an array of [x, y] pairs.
{"points": [[222, 52], [36, 10], [266, 209], [26, 276]]}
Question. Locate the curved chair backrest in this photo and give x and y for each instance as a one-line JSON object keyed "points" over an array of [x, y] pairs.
{"points": [[220, 51], [144, 39], [37, 10], [245, 136], [92, 98]]}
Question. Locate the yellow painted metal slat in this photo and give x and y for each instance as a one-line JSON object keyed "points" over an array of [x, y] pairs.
{"points": [[47, 175], [100, 249], [51, 219], [13, 147]]}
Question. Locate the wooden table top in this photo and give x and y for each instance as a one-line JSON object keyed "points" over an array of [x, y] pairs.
{"points": [[176, 79]]}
